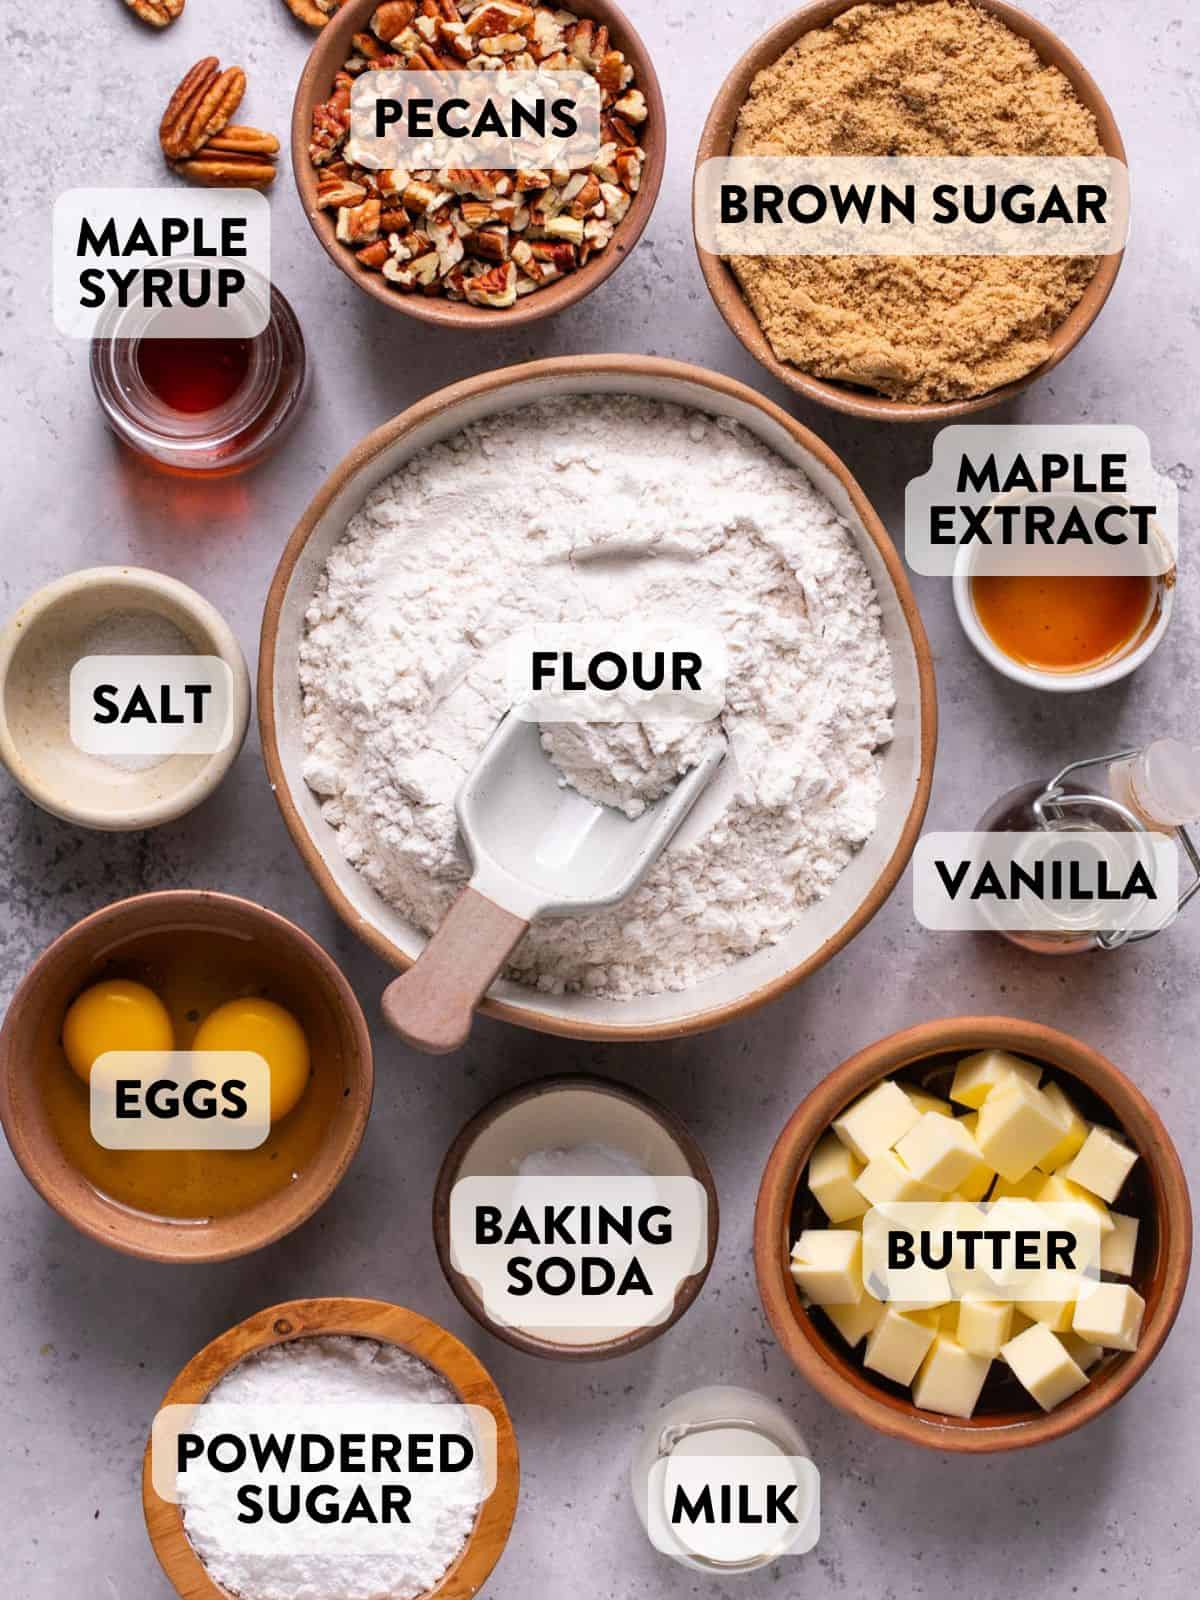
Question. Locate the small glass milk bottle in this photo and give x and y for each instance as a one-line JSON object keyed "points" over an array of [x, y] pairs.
{"points": [[730, 1424]]}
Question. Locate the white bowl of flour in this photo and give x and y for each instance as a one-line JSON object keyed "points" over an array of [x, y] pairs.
{"points": [[570, 490]]}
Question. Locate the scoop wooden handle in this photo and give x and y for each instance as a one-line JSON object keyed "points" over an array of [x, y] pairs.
{"points": [[431, 1006]]}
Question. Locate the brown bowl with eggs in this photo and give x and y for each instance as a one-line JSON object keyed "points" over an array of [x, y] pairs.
{"points": [[185, 970]]}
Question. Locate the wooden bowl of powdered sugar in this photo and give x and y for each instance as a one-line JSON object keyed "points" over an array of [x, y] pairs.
{"points": [[303, 1370], [630, 487]]}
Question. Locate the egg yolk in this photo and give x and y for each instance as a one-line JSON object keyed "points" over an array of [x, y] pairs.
{"points": [[114, 1015], [269, 1031]]}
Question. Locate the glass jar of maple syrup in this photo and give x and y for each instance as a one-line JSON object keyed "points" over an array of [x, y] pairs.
{"points": [[210, 406]]}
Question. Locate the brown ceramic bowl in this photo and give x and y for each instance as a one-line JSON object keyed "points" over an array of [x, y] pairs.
{"points": [[331, 50], [366, 1319], [558, 1113], [907, 767], [1159, 1198], [302, 976], [717, 140]]}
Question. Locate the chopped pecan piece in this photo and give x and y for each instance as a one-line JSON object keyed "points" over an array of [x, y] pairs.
{"points": [[359, 224], [373, 256], [390, 21], [335, 192], [316, 13], [497, 288]]}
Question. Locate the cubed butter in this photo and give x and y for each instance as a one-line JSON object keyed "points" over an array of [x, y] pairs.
{"points": [[1111, 1315], [897, 1345], [827, 1266], [1119, 1248], [940, 1152], [1075, 1129], [1041, 1364], [832, 1169], [1082, 1353], [950, 1378], [1102, 1165], [984, 1325], [981, 1180], [1057, 1315], [1059, 1190], [876, 1120], [1026, 1188], [925, 1102], [854, 1323], [1017, 1126], [887, 1178], [976, 1076]]}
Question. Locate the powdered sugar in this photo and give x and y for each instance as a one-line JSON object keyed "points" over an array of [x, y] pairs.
{"points": [[615, 507], [346, 1377]]}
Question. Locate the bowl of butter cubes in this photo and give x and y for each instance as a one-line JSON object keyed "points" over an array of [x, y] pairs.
{"points": [[974, 1235]]}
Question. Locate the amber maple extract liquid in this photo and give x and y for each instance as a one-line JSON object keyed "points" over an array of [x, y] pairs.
{"points": [[1060, 624]]}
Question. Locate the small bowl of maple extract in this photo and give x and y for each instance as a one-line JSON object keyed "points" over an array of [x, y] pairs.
{"points": [[209, 406], [1048, 627]]}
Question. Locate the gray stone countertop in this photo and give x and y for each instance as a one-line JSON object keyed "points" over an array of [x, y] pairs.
{"points": [[90, 1340]]}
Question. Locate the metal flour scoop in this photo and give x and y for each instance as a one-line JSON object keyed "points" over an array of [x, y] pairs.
{"points": [[538, 849]]}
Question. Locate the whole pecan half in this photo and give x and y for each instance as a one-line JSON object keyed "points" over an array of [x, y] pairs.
{"points": [[202, 105], [227, 170], [158, 13], [237, 139]]}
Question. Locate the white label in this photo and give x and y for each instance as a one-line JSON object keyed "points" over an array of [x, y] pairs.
{"points": [[734, 1510], [1073, 881], [161, 263], [924, 1255], [491, 120], [180, 1100], [549, 1254], [1081, 500], [332, 1480], [911, 205], [594, 672], [151, 705]]}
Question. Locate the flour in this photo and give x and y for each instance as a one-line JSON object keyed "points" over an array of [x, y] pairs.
{"points": [[625, 764], [335, 1373], [617, 508]]}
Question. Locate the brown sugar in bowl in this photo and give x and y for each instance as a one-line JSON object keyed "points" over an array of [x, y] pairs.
{"points": [[363, 1319], [330, 51], [717, 140], [1160, 1271], [306, 977]]}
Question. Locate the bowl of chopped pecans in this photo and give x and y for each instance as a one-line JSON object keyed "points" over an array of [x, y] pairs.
{"points": [[468, 247]]}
